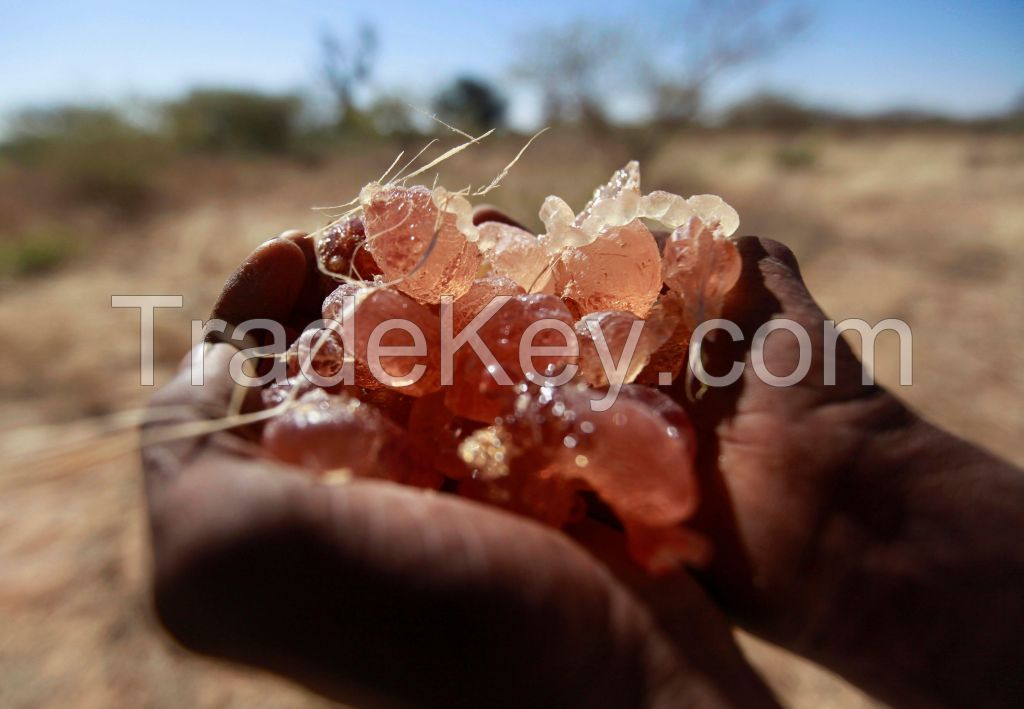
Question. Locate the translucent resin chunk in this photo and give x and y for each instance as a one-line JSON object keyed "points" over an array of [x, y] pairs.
{"points": [[638, 456], [477, 392], [328, 433], [419, 248], [436, 434], [701, 267], [519, 255], [619, 270], [479, 295], [613, 330], [364, 310], [342, 250]]}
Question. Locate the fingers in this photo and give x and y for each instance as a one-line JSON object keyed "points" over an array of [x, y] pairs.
{"points": [[772, 288], [770, 248], [684, 612], [310, 299], [200, 392], [487, 213], [770, 283], [266, 285], [202, 382], [369, 589]]}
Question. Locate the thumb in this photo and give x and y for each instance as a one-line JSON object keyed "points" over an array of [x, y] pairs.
{"points": [[489, 213], [200, 392], [266, 285], [770, 283]]}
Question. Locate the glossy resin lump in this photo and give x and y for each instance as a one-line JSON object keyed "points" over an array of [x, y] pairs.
{"points": [[610, 307]]}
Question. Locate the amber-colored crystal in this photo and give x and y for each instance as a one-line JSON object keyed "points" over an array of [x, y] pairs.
{"points": [[342, 250], [362, 310], [701, 267], [436, 434], [610, 332], [619, 270], [477, 391], [418, 248], [517, 254], [479, 295]]}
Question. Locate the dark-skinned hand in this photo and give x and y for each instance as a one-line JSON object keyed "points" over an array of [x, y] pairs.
{"points": [[382, 595], [845, 528]]}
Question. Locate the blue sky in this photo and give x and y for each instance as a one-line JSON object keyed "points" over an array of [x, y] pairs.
{"points": [[965, 57]]}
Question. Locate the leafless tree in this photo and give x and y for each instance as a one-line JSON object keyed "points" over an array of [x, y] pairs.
{"points": [[712, 38], [573, 66], [347, 64], [673, 61]]}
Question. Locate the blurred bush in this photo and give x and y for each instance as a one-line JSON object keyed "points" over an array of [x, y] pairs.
{"points": [[35, 251], [224, 120], [772, 112], [1015, 116], [797, 155], [96, 153], [471, 104], [393, 116]]}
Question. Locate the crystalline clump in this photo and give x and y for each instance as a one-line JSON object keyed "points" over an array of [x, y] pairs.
{"points": [[457, 205], [619, 202], [519, 255], [479, 296], [701, 266], [666, 208], [486, 453], [477, 392], [517, 441], [614, 203], [325, 432], [672, 211], [561, 232], [638, 456], [419, 248], [316, 351], [342, 251], [619, 452], [489, 453], [360, 310], [619, 270], [712, 209], [615, 327], [437, 433], [669, 358]]}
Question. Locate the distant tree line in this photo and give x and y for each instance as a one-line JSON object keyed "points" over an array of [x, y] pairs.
{"points": [[581, 71]]}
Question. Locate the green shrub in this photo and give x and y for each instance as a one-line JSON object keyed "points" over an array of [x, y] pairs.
{"points": [[96, 154], [774, 113], [796, 156], [35, 251], [222, 120]]}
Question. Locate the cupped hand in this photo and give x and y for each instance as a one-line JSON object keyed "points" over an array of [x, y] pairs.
{"points": [[775, 461], [375, 593]]}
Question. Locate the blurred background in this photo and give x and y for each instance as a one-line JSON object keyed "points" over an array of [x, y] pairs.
{"points": [[146, 148]]}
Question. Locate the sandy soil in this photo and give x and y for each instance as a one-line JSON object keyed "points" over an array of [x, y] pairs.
{"points": [[929, 229]]}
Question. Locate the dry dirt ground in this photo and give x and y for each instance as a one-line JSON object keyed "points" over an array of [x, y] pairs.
{"points": [[929, 229]]}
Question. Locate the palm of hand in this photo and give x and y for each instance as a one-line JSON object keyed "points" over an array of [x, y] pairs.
{"points": [[771, 459], [366, 587]]}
